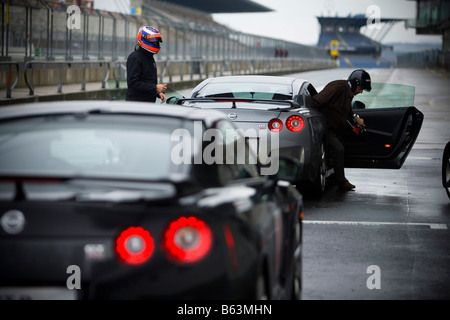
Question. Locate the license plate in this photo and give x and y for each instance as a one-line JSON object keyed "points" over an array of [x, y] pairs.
{"points": [[37, 293]]}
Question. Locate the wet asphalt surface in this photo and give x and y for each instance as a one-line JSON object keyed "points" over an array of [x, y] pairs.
{"points": [[389, 239]]}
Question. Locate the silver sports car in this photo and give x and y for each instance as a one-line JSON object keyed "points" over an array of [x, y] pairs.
{"points": [[272, 113]]}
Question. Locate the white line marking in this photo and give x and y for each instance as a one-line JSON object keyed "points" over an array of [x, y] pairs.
{"points": [[423, 158], [440, 226]]}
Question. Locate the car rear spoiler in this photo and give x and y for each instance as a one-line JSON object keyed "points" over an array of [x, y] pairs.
{"points": [[292, 103]]}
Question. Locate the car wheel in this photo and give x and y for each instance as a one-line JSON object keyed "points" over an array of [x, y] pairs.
{"points": [[446, 169], [296, 292], [320, 181]]}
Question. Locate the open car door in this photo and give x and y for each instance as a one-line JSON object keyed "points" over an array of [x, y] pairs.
{"points": [[392, 126]]}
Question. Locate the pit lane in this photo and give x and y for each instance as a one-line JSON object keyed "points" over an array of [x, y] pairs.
{"points": [[395, 220]]}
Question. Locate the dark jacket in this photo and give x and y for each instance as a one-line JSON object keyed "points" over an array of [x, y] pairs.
{"points": [[142, 76], [335, 102]]}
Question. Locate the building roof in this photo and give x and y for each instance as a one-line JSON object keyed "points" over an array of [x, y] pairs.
{"points": [[230, 6], [350, 21]]}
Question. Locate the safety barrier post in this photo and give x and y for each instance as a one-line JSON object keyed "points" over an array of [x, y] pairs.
{"points": [[10, 86]]}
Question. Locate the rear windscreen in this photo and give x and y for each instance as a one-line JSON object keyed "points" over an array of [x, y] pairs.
{"points": [[122, 146]]}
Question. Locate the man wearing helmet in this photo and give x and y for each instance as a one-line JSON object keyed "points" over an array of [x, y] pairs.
{"points": [[142, 77], [334, 101]]}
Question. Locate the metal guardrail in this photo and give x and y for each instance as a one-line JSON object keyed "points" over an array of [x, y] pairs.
{"points": [[203, 68], [217, 67], [68, 64], [169, 69], [197, 66], [444, 60], [10, 87], [119, 66], [420, 59]]}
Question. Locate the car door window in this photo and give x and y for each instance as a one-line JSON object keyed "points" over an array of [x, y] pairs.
{"points": [[385, 95]]}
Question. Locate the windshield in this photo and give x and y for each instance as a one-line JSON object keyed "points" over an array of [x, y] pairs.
{"points": [[244, 90], [114, 146], [385, 95]]}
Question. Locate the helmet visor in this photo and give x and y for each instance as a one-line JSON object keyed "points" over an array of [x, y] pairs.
{"points": [[153, 40]]}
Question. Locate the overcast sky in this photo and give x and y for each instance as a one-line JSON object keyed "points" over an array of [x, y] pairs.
{"points": [[296, 20]]}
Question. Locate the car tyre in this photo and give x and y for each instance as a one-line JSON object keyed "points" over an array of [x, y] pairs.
{"points": [[446, 169], [296, 292], [319, 183], [261, 287]]}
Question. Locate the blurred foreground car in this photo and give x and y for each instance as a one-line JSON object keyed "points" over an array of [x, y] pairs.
{"points": [[264, 106], [109, 200], [446, 169]]}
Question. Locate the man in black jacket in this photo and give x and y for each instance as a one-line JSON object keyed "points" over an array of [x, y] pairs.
{"points": [[142, 75], [334, 101]]}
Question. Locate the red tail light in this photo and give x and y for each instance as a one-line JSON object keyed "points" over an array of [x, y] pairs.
{"points": [[275, 125], [295, 123], [135, 245], [187, 240]]}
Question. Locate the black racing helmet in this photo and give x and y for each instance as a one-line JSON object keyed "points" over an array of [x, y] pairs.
{"points": [[361, 78]]}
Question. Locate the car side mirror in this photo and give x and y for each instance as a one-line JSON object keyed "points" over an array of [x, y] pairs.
{"points": [[172, 100], [358, 105]]}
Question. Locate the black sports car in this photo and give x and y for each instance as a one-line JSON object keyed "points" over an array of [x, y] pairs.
{"points": [[272, 108], [119, 200]]}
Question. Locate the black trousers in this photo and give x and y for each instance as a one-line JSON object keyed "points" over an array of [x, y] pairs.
{"points": [[337, 153]]}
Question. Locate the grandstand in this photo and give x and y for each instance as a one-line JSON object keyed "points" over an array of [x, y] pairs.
{"points": [[357, 50]]}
